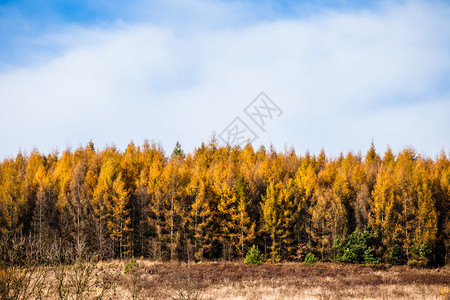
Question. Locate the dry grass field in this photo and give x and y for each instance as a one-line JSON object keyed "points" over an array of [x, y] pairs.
{"points": [[235, 280]]}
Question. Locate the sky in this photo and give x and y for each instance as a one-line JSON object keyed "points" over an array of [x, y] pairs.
{"points": [[341, 74]]}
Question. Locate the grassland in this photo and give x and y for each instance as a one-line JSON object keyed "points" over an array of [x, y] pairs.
{"points": [[235, 280]]}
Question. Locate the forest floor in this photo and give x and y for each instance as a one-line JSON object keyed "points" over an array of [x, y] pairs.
{"points": [[235, 280]]}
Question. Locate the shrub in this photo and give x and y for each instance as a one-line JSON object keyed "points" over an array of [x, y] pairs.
{"points": [[23, 283], [131, 266], [131, 269], [310, 258], [74, 281], [355, 248], [396, 255], [420, 254], [184, 287], [253, 257]]}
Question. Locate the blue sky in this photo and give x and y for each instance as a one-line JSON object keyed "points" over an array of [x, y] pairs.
{"points": [[343, 73], [22, 22]]}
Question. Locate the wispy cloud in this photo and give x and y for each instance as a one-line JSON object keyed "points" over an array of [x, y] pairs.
{"points": [[182, 70]]}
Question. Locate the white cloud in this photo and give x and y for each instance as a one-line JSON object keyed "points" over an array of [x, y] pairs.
{"points": [[341, 79]]}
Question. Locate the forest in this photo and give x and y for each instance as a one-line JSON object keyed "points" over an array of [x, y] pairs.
{"points": [[218, 201]]}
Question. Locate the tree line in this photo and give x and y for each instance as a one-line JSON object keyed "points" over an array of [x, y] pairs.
{"points": [[218, 201]]}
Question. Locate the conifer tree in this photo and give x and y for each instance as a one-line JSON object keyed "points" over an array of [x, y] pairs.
{"points": [[13, 201], [119, 217], [271, 220], [217, 201]]}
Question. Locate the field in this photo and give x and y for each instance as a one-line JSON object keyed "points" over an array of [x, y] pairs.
{"points": [[235, 280]]}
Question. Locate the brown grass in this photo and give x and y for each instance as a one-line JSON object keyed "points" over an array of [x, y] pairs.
{"points": [[235, 280], [300, 281]]}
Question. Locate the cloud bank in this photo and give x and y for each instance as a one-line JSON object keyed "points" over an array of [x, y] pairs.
{"points": [[342, 78]]}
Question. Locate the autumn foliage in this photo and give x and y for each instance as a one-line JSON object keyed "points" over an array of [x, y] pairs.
{"points": [[218, 201]]}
